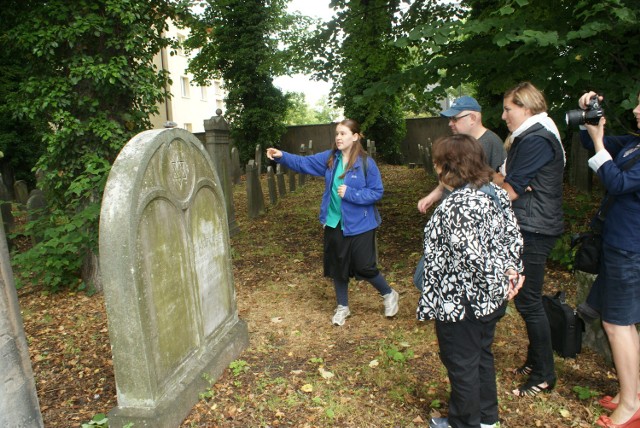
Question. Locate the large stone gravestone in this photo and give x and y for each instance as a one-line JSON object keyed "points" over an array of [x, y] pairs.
{"points": [[168, 281], [18, 400]]}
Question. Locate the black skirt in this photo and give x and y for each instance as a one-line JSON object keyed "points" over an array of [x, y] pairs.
{"points": [[349, 256]]}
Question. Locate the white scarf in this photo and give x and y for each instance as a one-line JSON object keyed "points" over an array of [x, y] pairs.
{"points": [[544, 120]]}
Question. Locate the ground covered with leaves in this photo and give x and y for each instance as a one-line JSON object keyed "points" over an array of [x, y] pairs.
{"points": [[299, 370]]}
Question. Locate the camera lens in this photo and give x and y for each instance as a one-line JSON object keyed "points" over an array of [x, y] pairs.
{"points": [[575, 117]]}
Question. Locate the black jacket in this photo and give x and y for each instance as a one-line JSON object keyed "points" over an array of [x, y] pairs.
{"points": [[539, 210]]}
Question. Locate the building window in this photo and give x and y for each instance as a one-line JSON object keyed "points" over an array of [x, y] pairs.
{"points": [[203, 93], [188, 127], [184, 86], [181, 40]]}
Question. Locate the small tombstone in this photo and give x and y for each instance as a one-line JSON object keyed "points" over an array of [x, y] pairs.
{"points": [[301, 177], [282, 188], [18, 401], [292, 180], [271, 182], [167, 275], [5, 208], [36, 207], [258, 159], [255, 198], [310, 147], [371, 148], [21, 191], [236, 170]]}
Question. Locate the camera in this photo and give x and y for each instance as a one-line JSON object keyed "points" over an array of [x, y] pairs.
{"points": [[591, 115]]}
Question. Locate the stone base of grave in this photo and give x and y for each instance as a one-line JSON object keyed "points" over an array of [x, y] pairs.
{"points": [[171, 410]]}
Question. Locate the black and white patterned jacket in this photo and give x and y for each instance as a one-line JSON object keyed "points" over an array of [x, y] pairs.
{"points": [[470, 242]]}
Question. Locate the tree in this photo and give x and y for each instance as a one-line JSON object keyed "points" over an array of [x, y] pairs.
{"points": [[89, 82], [298, 111], [563, 47], [239, 41], [356, 51], [20, 142]]}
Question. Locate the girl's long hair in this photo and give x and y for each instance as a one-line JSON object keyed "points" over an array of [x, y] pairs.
{"points": [[356, 150]]}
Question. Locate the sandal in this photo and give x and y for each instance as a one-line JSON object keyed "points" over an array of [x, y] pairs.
{"points": [[525, 370], [531, 389]]}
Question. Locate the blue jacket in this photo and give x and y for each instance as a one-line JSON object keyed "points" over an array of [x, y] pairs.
{"points": [[359, 213], [622, 222]]}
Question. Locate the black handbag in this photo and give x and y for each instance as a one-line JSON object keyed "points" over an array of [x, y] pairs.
{"points": [[589, 249], [589, 244], [565, 324]]}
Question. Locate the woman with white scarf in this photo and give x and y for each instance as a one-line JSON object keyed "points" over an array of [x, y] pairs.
{"points": [[533, 174]]}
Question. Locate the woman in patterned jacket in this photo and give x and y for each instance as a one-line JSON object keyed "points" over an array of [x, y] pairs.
{"points": [[472, 249]]}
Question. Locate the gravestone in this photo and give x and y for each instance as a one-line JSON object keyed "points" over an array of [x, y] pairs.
{"points": [[36, 206], [5, 208], [236, 170], [292, 180], [271, 183], [21, 191], [167, 277], [282, 188], [255, 198], [301, 176], [310, 147], [217, 144], [19, 406], [580, 175], [258, 159]]}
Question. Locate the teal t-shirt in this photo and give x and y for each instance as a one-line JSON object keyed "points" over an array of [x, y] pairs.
{"points": [[334, 215]]}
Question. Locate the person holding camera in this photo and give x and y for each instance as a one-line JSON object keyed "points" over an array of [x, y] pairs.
{"points": [[533, 177], [472, 251], [616, 290], [348, 214]]}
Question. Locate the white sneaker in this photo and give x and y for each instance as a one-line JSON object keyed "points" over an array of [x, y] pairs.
{"points": [[342, 312], [495, 425], [391, 303]]}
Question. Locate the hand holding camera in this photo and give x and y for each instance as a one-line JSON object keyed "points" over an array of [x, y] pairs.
{"points": [[590, 111]]}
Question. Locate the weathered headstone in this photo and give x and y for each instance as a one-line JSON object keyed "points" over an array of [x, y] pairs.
{"points": [[258, 159], [19, 406], [282, 188], [255, 198], [21, 191], [301, 176], [217, 144], [271, 183], [371, 148], [292, 180], [236, 170], [580, 175], [5, 208], [36, 206], [167, 276]]}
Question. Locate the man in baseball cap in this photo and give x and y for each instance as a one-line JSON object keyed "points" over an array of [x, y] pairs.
{"points": [[465, 117]]}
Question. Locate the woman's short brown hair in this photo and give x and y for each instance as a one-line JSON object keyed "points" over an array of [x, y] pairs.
{"points": [[462, 161]]}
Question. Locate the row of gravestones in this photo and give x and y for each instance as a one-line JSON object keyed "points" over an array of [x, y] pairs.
{"points": [[276, 182], [33, 201]]}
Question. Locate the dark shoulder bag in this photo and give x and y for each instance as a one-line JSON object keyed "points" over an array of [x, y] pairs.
{"points": [[589, 244]]}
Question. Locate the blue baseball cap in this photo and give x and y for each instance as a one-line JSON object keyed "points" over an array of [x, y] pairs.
{"points": [[461, 104]]}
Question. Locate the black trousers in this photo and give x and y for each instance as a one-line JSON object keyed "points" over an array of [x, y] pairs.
{"points": [[465, 350]]}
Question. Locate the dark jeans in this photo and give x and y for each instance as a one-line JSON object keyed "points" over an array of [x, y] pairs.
{"points": [[465, 350], [529, 304]]}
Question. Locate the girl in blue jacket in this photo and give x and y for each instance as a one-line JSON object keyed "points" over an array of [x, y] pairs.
{"points": [[347, 212]]}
